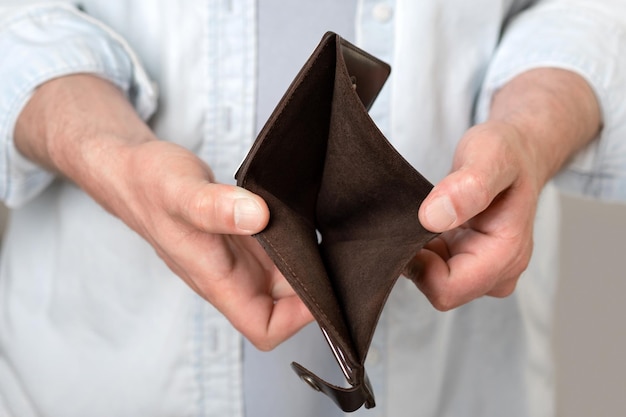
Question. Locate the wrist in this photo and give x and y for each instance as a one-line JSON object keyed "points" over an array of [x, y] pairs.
{"points": [[554, 113], [80, 127]]}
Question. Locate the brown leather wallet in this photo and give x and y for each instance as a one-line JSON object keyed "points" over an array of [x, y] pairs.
{"points": [[343, 205]]}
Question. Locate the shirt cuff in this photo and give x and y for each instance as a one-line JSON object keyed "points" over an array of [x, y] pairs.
{"points": [[40, 43], [588, 38]]}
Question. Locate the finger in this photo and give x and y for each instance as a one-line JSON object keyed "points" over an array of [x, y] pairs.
{"points": [[484, 167], [473, 265], [224, 209], [267, 321], [429, 272], [444, 288], [288, 315], [504, 289], [236, 276], [438, 248]]}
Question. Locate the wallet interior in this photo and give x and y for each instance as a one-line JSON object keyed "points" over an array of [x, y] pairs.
{"points": [[343, 204]]}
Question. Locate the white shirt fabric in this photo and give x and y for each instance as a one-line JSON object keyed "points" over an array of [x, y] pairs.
{"points": [[93, 323]]}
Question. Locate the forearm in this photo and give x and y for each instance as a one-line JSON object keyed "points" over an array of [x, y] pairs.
{"points": [[80, 127], [555, 112], [46, 41]]}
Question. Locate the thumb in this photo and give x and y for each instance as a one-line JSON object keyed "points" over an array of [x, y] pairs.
{"points": [[484, 171], [225, 209]]}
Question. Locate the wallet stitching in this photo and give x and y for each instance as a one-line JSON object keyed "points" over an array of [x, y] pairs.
{"points": [[297, 86], [295, 276]]}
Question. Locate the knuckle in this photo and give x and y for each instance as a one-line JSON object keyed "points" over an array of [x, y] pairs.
{"points": [[441, 307], [522, 260], [509, 289], [475, 187], [203, 205], [413, 271], [208, 210], [263, 343], [504, 290], [443, 302]]}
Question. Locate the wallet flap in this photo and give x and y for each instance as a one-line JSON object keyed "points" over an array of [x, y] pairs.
{"points": [[367, 72], [348, 399]]}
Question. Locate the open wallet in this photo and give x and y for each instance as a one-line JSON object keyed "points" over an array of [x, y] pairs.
{"points": [[343, 205]]}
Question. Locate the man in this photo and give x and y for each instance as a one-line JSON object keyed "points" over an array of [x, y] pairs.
{"points": [[93, 322]]}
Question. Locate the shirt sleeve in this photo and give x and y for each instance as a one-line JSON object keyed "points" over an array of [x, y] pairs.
{"points": [[589, 38], [45, 41]]}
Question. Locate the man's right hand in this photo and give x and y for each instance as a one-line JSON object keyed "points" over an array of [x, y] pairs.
{"points": [[83, 128]]}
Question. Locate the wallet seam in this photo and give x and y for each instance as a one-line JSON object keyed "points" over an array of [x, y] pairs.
{"points": [[304, 288]]}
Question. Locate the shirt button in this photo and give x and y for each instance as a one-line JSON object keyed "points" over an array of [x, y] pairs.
{"points": [[382, 12]]}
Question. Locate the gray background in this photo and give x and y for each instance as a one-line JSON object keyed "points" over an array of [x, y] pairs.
{"points": [[590, 332], [590, 336]]}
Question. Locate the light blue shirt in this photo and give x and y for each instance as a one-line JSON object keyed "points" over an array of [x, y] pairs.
{"points": [[93, 323]]}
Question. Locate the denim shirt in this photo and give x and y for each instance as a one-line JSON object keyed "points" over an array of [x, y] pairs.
{"points": [[93, 323]]}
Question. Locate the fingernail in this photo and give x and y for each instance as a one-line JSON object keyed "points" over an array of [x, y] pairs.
{"points": [[247, 215], [440, 214]]}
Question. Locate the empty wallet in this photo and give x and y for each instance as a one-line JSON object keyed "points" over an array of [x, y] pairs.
{"points": [[343, 205]]}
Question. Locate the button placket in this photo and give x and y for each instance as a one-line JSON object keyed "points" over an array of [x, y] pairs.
{"points": [[231, 69]]}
